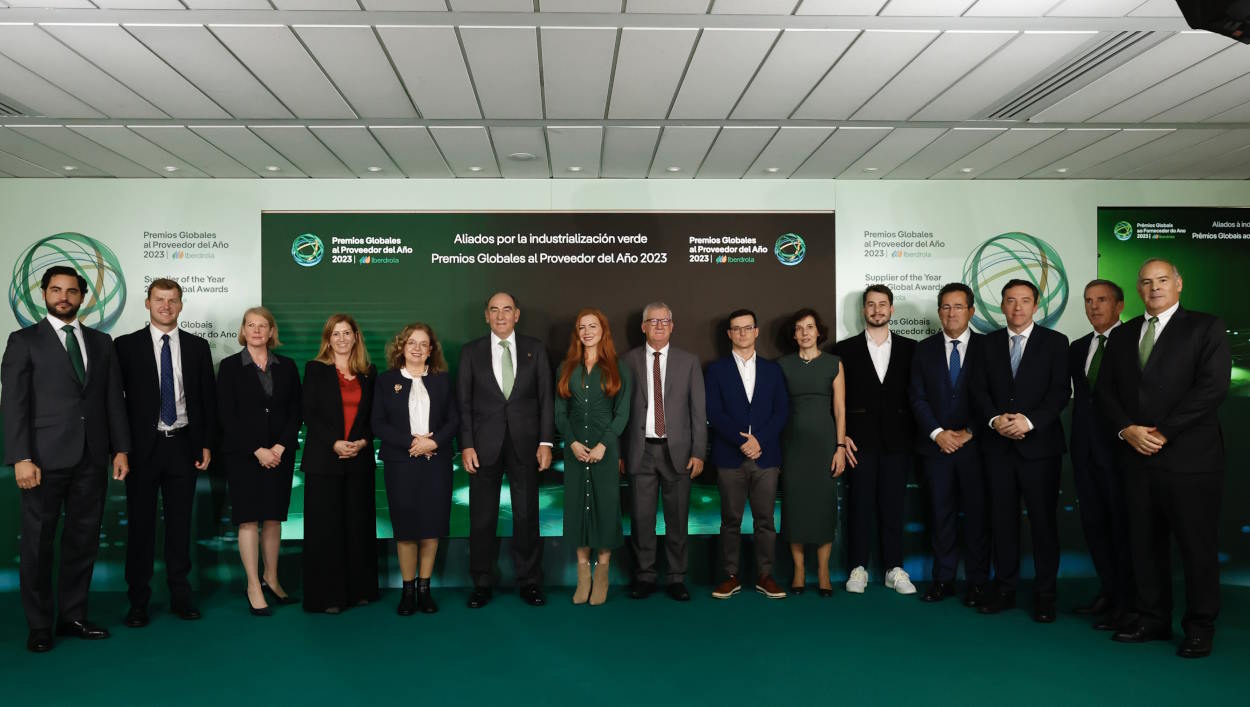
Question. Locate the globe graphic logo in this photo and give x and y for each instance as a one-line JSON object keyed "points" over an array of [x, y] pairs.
{"points": [[1123, 230], [105, 299], [1011, 256], [307, 250], [790, 249]]}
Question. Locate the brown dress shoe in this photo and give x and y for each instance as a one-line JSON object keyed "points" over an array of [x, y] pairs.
{"points": [[767, 586], [728, 588]]}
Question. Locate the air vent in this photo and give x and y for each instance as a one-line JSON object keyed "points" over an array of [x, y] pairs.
{"points": [[1073, 73], [10, 108]]}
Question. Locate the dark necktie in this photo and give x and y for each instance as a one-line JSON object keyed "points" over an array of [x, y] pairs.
{"points": [[657, 394], [169, 411], [1017, 351], [75, 353], [1096, 362], [955, 363]]}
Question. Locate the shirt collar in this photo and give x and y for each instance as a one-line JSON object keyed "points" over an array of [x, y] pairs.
{"points": [[745, 361], [1028, 331], [494, 340], [1109, 329], [889, 339], [962, 338], [1164, 316], [57, 324], [157, 334], [663, 352]]}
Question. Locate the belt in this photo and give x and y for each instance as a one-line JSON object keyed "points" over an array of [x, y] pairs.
{"points": [[656, 440], [176, 432]]}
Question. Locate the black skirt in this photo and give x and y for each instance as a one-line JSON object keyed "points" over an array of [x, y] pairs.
{"points": [[256, 493], [418, 491]]}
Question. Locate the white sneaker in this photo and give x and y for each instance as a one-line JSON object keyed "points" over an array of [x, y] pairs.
{"points": [[858, 581], [899, 581]]}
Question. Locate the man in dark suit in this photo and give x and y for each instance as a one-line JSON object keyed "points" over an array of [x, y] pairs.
{"points": [[665, 444], [1161, 386], [879, 439], [1019, 393], [63, 417], [1099, 485], [167, 375], [747, 406], [507, 426], [947, 435]]}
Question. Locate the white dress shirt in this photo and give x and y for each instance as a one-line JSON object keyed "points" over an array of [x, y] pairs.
{"points": [[496, 357], [418, 405], [880, 355], [1164, 317], [1093, 345], [82, 343], [180, 394], [963, 340], [746, 371], [650, 365]]}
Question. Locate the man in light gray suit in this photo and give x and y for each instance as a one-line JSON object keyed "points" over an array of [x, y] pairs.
{"points": [[665, 444]]}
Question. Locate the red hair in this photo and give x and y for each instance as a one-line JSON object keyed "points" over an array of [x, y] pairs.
{"points": [[609, 373]]}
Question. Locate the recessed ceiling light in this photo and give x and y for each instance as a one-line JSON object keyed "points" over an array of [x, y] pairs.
{"points": [[521, 156], [870, 169], [672, 169], [966, 170], [374, 169], [575, 169], [273, 168], [772, 170], [475, 168], [69, 168], [1061, 170], [170, 168]]}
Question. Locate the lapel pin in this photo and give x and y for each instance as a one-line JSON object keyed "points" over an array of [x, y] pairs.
{"points": [[398, 387]]}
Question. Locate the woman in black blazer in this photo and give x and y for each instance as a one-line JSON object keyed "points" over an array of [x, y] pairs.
{"points": [[415, 416], [340, 559], [258, 401]]}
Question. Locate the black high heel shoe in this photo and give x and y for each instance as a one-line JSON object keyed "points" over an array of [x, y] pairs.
{"points": [[262, 611], [284, 601]]}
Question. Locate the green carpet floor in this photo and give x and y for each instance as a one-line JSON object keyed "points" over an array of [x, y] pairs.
{"points": [[879, 648]]}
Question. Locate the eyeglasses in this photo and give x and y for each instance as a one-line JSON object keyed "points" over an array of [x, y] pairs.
{"points": [[952, 308], [418, 345], [657, 322], [742, 329]]}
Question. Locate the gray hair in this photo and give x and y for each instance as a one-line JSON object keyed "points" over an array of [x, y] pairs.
{"points": [[652, 306], [1175, 273]]}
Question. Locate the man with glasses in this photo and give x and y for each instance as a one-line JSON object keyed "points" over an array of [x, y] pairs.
{"points": [[747, 406], [665, 444]]}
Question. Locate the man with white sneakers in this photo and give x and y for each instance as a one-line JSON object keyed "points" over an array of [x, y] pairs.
{"points": [[880, 432]]}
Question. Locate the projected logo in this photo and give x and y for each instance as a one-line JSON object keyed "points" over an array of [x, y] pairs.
{"points": [[790, 249], [106, 287], [1015, 256], [307, 250], [1123, 231]]}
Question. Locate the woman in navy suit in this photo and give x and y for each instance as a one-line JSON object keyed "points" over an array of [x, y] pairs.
{"points": [[415, 416]]}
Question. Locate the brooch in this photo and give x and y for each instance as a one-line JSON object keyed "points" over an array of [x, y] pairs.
{"points": [[398, 387]]}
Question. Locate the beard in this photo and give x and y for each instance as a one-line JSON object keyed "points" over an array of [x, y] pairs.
{"points": [[64, 311]]}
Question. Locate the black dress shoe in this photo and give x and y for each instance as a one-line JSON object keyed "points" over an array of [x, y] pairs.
{"points": [[480, 597], [425, 600], [1044, 611], [641, 589], [533, 595], [938, 591], [1099, 606], [824, 592], [1195, 647], [136, 617], [82, 629], [407, 602], [678, 591], [998, 603], [1140, 633], [1109, 622], [262, 611], [284, 601], [186, 612], [39, 641]]}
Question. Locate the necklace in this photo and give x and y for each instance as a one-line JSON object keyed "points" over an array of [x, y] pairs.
{"points": [[806, 360]]}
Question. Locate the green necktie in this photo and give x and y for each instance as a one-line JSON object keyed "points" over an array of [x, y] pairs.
{"points": [[75, 353], [1095, 362], [1147, 343], [509, 374]]}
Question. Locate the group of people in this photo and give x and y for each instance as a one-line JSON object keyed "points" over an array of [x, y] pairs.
{"points": [[981, 411]]}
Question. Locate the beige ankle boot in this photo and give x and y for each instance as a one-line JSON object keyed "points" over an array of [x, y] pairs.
{"points": [[582, 593], [599, 593]]}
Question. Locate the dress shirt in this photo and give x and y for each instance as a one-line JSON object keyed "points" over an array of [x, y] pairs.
{"points": [[880, 355], [180, 393], [746, 371], [496, 357], [963, 340], [650, 364], [1164, 317], [418, 404], [1093, 344], [82, 343]]}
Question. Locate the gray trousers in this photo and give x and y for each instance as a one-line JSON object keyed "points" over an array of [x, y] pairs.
{"points": [[660, 475], [737, 486]]}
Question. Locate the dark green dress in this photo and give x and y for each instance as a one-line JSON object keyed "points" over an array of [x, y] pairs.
{"points": [[592, 492], [809, 505]]}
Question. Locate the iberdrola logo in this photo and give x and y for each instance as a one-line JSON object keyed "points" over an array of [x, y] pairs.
{"points": [[105, 298]]}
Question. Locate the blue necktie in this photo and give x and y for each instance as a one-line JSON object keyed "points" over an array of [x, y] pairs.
{"points": [[954, 367], [1016, 352], [169, 410]]}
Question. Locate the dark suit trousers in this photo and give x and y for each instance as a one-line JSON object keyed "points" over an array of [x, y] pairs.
{"points": [[877, 485], [1162, 505], [957, 484], [170, 472], [1100, 490], [737, 486], [1037, 480], [340, 540], [659, 475], [80, 490], [484, 487]]}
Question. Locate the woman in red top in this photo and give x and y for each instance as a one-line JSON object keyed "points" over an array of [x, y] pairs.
{"points": [[340, 557]]}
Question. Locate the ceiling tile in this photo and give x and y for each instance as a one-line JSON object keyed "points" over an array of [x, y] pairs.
{"points": [[406, 5], [893, 150], [360, 69], [303, 150], [681, 151], [245, 147], [925, 8], [1049, 152], [466, 148], [1218, 100], [430, 62], [723, 64], [1148, 154], [1208, 74], [1178, 162], [413, 150], [18, 167], [1010, 8], [492, 5], [667, 7], [1093, 8], [840, 7], [841, 149], [733, 152], [753, 7], [1099, 152], [134, 148], [577, 69], [40, 96], [139, 4], [504, 65], [194, 150], [943, 152], [81, 149], [52, 4], [874, 59], [997, 151], [278, 59], [579, 147], [627, 151], [30, 150], [1157, 8], [788, 149], [356, 148], [649, 66], [316, 4], [580, 5], [228, 4], [798, 60], [511, 141]]}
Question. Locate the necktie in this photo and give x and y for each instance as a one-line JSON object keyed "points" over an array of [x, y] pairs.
{"points": [[657, 394], [955, 363], [1147, 343], [169, 411], [1096, 361], [509, 374], [1016, 352], [75, 354]]}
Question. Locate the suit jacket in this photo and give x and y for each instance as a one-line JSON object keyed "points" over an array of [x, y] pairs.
{"points": [[323, 414], [390, 413], [249, 421], [49, 417], [730, 413], [935, 403], [1039, 390], [1090, 434], [141, 383], [685, 409], [527, 416], [878, 415], [1179, 391]]}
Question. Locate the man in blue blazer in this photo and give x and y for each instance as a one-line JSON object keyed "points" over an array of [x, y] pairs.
{"points": [[947, 439], [1018, 394], [747, 406]]}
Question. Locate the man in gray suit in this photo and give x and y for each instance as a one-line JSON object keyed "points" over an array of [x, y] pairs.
{"points": [[665, 443], [63, 415]]}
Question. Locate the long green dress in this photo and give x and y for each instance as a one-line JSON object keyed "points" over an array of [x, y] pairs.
{"points": [[592, 492], [809, 505]]}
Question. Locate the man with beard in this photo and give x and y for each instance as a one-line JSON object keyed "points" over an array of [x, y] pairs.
{"points": [[63, 416]]}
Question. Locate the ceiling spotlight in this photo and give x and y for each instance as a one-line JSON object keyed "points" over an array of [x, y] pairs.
{"points": [[966, 170], [475, 168], [772, 170], [170, 168], [575, 169], [672, 169], [273, 168], [69, 168], [870, 169], [521, 156], [374, 169], [1061, 170]]}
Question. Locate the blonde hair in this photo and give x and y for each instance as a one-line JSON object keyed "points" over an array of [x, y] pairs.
{"points": [[358, 359], [264, 313]]}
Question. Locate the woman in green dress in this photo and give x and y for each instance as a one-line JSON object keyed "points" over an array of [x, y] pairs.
{"points": [[592, 407], [813, 447]]}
